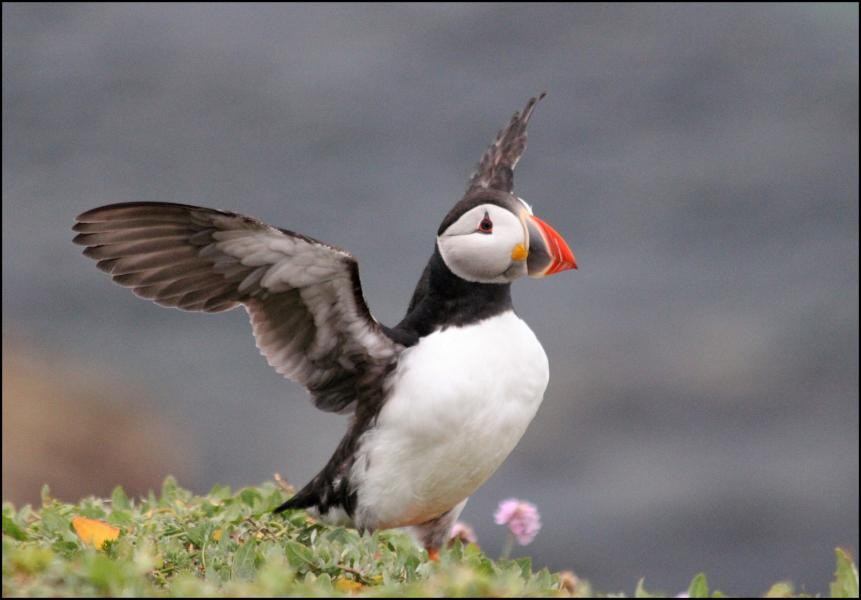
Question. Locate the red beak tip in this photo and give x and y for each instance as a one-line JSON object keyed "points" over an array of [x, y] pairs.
{"points": [[562, 256]]}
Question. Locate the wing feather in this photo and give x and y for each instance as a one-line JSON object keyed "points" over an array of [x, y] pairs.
{"points": [[303, 297], [496, 168]]}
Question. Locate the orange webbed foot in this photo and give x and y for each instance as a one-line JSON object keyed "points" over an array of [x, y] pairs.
{"points": [[433, 554]]}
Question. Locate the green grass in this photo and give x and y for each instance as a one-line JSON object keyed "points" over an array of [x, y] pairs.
{"points": [[230, 544]]}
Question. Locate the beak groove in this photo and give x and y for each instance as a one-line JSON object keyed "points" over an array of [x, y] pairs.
{"points": [[549, 253]]}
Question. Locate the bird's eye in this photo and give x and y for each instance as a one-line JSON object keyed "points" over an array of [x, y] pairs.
{"points": [[486, 225]]}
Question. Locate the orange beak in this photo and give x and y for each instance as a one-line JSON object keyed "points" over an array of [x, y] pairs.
{"points": [[548, 251]]}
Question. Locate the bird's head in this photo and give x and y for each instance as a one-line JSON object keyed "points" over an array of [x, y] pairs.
{"points": [[491, 235]]}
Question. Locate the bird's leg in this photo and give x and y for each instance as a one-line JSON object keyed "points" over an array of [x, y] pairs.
{"points": [[434, 534]]}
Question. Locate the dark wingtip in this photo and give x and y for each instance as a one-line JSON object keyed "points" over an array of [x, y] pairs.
{"points": [[87, 215], [495, 169], [530, 106], [291, 504], [535, 100], [106, 265], [92, 252]]}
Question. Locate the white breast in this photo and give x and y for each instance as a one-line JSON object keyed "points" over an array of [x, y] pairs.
{"points": [[461, 399]]}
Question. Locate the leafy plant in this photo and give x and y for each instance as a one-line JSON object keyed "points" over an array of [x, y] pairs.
{"points": [[230, 544]]}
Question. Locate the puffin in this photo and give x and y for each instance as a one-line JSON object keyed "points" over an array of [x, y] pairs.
{"points": [[437, 402]]}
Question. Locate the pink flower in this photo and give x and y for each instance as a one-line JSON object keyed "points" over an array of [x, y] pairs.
{"points": [[521, 517], [463, 532]]}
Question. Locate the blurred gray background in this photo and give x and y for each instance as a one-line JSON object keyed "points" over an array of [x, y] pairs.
{"points": [[701, 160]]}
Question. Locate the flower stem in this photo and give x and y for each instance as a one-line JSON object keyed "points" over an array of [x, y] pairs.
{"points": [[508, 547]]}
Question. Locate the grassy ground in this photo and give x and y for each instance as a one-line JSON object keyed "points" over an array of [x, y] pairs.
{"points": [[230, 544]]}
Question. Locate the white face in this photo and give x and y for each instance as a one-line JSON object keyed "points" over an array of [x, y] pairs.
{"points": [[487, 244]]}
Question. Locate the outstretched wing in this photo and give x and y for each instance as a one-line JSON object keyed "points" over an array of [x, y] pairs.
{"points": [[496, 168], [304, 297]]}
